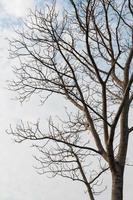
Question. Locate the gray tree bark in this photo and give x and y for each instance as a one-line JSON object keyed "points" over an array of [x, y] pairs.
{"points": [[117, 184]]}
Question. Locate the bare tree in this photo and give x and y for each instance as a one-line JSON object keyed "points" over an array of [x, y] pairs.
{"points": [[83, 54]]}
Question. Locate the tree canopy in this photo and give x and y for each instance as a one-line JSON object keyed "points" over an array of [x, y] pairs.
{"points": [[84, 54]]}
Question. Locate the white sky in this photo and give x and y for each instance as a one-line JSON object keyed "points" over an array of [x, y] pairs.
{"points": [[16, 8], [18, 179]]}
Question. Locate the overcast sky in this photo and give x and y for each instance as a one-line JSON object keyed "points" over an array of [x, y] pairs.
{"points": [[18, 178]]}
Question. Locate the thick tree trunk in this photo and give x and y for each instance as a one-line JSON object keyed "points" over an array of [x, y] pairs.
{"points": [[117, 186]]}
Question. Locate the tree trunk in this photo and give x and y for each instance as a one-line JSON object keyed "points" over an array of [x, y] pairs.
{"points": [[117, 186], [91, 195]]}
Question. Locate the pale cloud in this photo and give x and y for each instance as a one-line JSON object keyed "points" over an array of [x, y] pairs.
{"points": [[19, 180], [16, 8]]}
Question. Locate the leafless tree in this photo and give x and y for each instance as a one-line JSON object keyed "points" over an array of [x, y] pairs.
{"points": [[83, 54]]}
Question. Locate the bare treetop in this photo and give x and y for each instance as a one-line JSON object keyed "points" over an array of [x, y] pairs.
{"points": [[83, 54]]}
